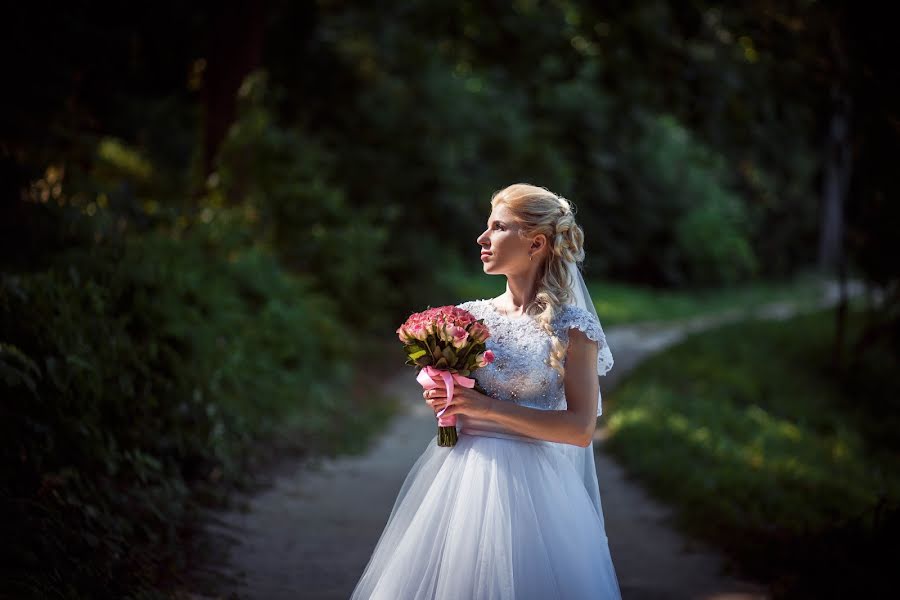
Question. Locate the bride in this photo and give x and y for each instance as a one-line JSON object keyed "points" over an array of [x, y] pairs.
{"points": [[512, 511]]}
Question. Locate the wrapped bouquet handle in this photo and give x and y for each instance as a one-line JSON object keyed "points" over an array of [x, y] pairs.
{"points": [[426, 377]]}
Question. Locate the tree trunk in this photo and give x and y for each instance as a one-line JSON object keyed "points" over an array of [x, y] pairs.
{"points": [[838, 165], [234, 50], [837, 175]]}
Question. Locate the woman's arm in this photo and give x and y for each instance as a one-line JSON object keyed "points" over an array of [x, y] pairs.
{"points": [[574, 425]]}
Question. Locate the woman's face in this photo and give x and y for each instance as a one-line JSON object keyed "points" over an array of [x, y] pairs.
{"points": [[503, 250]]}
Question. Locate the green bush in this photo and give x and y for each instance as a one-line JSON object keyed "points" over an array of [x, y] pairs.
{"points": [[707, 230], [286, 179], [133, 374]]}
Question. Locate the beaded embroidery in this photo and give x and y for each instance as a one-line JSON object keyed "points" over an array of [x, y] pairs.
{"points": [[521, 370]]}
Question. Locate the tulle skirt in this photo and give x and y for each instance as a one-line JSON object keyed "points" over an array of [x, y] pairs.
{"points": [[498, 517]]}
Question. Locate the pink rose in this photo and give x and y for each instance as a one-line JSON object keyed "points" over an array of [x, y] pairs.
{"points": [[484, 359], [459, 336], [404, 335], [479, 332]]}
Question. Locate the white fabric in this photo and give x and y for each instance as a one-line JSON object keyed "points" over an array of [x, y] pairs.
{"points": [[521, 370], [492, 518], [501, 516], [583, 458], [581, 297]]}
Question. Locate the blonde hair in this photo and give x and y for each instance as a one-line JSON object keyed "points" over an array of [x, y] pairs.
{"points": [[538, 210]]}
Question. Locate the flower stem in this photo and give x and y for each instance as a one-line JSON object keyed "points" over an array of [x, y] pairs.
{"points": [[447, 436]]}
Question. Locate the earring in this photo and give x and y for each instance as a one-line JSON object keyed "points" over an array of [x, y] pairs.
{"points": [[530, 256]]}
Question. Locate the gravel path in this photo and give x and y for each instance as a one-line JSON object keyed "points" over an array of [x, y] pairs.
{"points": [[311, 529]]}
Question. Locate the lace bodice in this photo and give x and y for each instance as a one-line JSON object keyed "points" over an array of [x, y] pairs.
{"points": [[521, 370]]}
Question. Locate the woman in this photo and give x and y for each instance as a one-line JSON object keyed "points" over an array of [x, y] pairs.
{"points": [[512, 511]]}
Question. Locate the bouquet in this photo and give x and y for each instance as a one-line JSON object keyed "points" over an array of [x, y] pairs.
{"points": [[446, 343]]}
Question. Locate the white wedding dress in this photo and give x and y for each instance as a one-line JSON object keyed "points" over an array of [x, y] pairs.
{"points": [[500, 516]]}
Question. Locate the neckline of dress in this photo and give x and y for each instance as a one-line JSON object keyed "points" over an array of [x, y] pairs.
{"points": [[496, 310]]}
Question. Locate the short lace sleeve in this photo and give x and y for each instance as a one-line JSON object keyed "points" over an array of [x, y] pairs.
{"points": [[574, 317]]}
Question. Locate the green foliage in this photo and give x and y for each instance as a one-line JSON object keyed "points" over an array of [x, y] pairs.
{"points": [[136, 379], [440, 103], [763, 448], [435, 352], [447, 130], [285, 177], [699, 228]]}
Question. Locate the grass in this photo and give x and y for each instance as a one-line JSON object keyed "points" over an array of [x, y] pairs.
{"points": [[621, 303], [763, 448]]}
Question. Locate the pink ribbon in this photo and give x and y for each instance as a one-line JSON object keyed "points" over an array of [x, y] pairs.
{"points": [[426, 378]]}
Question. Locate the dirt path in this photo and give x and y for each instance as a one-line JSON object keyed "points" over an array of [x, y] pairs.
{"points": [[310, 533]]}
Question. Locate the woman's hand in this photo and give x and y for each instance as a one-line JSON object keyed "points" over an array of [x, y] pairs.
{"points": [[466, 401]]}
